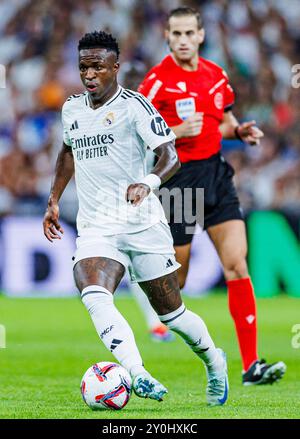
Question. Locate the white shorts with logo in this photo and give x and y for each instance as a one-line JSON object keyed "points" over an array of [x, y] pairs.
{"points": [[148, 254]]}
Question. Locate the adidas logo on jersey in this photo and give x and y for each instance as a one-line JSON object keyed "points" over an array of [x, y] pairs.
{"points": [[169, 263], [74, 126]]}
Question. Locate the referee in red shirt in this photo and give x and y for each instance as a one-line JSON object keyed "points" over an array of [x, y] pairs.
{"points": [[195, 98]]}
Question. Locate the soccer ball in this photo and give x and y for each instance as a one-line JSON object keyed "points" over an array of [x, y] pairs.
{"points": [[106, 385]]}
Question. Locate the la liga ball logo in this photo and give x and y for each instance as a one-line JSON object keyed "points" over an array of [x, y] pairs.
{"points": [[106, 386]]}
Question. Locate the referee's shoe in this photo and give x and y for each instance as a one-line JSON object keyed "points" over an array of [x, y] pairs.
{"points": [[262, 373]]}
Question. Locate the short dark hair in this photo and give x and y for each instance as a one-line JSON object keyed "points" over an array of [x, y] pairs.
{"points": [[101, 40], [184, 11]]}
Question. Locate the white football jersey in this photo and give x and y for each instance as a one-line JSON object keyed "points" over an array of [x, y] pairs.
{"points": [[109, 148]]}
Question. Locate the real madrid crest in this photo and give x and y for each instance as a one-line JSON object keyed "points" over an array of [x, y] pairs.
{"points": [[109, 119]]}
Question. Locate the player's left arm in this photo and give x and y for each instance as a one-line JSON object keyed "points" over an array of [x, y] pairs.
{"points": [[167, 165], [246, 131]]}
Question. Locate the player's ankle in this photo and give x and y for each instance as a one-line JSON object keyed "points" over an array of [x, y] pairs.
{"points": [[137, 370], [217, 364]]}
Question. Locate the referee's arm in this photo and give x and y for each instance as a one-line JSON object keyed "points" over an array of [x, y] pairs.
{"points": [[246, 132]]}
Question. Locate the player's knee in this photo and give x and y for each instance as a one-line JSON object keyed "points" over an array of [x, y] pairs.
{"points": [[236, 269]]}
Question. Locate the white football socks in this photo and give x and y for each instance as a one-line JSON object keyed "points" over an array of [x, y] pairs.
{"points": [[194, 332], [149, 313], [112, 328]]}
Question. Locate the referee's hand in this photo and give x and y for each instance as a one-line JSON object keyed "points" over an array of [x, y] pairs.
{"points": [[191, 127], [250, 133], [51, 226], [136, 193]]}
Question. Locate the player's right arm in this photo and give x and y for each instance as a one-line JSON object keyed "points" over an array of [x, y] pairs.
{"points": [[64, 171], [155, 133], [167, 165]]}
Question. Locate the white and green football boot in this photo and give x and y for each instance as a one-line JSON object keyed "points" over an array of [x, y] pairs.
{"points": [[217, 386], [145, 386]]}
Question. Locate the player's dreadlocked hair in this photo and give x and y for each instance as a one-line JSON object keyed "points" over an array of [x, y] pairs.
{"points": [[100, 40], [184, 11]]}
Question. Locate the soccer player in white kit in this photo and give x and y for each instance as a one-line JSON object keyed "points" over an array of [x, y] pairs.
{"points": [[120, 220]]}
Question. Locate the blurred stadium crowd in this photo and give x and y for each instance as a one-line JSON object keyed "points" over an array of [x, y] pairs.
{"points": [[257, 41]]}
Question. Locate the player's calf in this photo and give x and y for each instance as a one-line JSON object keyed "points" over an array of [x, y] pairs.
{"points": [[165, 295]]}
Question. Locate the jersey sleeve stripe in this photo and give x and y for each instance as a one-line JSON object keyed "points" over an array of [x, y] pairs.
{"points": [[140, 98], [75, 96], [149, 105], [130, 93], [217, 85], [154, 89], [141, 102], [127, 94], [152, 109]]}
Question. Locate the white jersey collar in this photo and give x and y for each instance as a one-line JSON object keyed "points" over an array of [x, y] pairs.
{"points": [[112, 99]]}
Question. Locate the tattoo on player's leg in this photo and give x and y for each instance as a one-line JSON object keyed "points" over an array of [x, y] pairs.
{"points": [[163, 293], [98, 271]]}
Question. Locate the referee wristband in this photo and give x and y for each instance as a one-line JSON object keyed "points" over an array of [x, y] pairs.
{"points": [[237, 134], [152, 180]]}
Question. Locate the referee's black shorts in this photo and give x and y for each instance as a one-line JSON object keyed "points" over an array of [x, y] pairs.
{"points": [[221, 203]]}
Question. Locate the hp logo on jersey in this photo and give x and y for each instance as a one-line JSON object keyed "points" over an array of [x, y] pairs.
{"points": [[159, 126]]}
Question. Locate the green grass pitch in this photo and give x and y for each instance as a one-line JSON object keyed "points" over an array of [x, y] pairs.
{"points": [[51, 343]]}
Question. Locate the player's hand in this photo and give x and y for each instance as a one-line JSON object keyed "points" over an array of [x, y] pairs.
{"points": [[250, 133], [51, 226], [136, 193], [192, 126]]}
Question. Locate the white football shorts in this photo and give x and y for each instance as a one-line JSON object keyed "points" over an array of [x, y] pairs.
{"points": [[148, 254]]}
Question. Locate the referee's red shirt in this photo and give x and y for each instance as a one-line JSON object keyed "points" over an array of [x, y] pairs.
{"points": [[177, 93]]}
